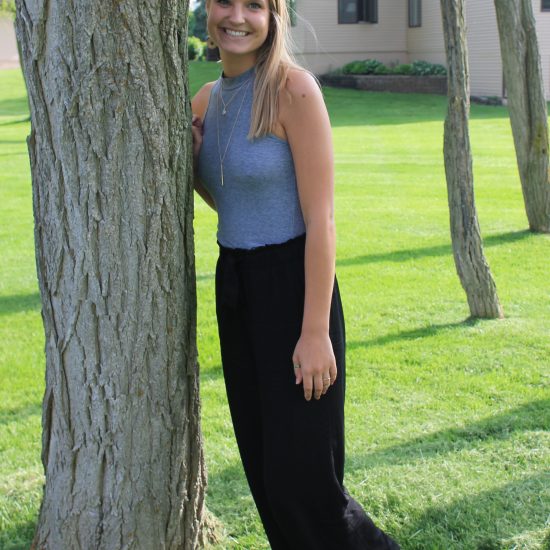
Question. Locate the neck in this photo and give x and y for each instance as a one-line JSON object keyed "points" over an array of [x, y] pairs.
{"points": [[234, 66]]}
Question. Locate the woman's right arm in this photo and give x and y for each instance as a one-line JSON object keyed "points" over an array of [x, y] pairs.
{"points": [[199, 104]]}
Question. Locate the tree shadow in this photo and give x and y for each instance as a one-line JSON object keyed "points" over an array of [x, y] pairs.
{"points": [[211, 373], [19, 414], [430, 251], [454, 525], [414, 334], [457, 525], [229, 498], [14, 106], [531, 416], [204, 276], [18, 536], [19, 302]]}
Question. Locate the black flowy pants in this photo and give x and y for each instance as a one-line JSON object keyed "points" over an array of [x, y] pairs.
{"points": [[292, 450]]}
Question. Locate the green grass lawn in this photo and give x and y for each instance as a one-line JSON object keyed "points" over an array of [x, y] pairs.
{"points": [[446, 420]]}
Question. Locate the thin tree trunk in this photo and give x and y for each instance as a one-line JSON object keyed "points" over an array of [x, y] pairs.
{"points": [[527, 106], [473, 270], [113, 206]]}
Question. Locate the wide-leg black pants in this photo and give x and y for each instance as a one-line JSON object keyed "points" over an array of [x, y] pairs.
{"points": [[292, 450]]}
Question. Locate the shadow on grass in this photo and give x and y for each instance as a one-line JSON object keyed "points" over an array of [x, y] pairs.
{"points": [[229, 498], [18, 537], [481, 521], [429, 251], [205, 276], [534, 415], [15, 106], [19, 302], [211, 373], [20, 414], [506, 512], [414, 334]]}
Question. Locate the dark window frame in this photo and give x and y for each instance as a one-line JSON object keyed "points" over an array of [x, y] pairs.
{"points": [[415, 13], [364, 11], [544, 5]]}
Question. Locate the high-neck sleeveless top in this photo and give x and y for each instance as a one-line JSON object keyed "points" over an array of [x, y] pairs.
{"points": [[258, 202]]}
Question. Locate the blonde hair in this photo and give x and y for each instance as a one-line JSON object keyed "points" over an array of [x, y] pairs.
{"points": [[275, 60]]}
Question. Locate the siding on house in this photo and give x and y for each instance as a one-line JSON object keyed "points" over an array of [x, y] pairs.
{"points": [[484, 49], [391, 39], [340, 43], [426, 42]]}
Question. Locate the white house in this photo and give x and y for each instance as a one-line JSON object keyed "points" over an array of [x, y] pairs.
{"points": [[406, 30]]}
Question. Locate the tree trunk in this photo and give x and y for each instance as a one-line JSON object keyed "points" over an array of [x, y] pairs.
{"points": [[109, 150], [472, 268], [527, 106]]}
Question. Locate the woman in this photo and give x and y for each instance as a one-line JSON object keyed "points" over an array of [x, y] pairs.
{"points": [[263, 159]]}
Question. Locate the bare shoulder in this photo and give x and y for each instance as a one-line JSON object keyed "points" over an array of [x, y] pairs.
{"points": [[301, 81], [199, 103], [301, 91]]}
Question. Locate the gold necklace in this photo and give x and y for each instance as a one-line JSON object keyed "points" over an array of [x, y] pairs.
{"points": [[232, 129], [226, 105]]}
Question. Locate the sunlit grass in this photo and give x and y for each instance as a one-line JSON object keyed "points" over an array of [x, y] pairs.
{"points": [[447, 420]]}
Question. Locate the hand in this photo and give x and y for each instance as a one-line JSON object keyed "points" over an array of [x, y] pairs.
{"points": [[196, 129], [315, 356]]}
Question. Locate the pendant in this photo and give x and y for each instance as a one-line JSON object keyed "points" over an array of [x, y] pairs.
{"points": [[221, 172], [224, 112]]}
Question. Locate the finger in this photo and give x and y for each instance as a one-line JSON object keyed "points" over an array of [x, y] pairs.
{"points": [[326, 382], [298, 373], [333, 373], [308, 386], [318, 383], [297, 368]]}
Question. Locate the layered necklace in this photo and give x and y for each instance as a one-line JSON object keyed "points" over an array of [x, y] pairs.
{"points": [[244, 86]]}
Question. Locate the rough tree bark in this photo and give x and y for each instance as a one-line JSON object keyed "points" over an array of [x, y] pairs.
{"points": [[113, 205], [527, 106], [473, 270]]}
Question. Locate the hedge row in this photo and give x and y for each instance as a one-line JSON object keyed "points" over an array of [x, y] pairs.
{"points": [[372, 66]]}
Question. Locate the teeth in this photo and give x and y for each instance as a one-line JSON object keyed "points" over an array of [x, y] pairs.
{"points": [[235, 33]]}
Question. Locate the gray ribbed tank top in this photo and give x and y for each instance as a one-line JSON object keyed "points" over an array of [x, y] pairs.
{"points": [[258, 203]]}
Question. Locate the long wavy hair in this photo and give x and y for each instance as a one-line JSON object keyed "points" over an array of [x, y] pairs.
{"points": [[275, 60]]}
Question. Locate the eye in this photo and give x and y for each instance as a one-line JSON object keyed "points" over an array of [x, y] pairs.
{"points": [[255, 5]]}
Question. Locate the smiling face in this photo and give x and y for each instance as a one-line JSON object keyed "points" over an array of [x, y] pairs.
{"points": [[238, 27]]}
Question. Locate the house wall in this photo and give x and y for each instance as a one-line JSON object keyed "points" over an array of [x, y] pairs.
{"points": [[338, 44], [484, 48], [426, 42], [391, 39]]}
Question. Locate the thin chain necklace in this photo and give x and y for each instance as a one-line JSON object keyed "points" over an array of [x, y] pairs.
{"points": [[222, 158], [226, 105]]}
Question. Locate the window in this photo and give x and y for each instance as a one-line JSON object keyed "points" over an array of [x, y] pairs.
{"points": [[415, 13], [353, 11], [545, 5]]}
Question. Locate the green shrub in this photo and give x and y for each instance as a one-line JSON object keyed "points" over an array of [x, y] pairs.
{"points": [[404, 68], [371, 65], [423, 68], [382, 69], [368, 66], [355, 67], [195, 48]]}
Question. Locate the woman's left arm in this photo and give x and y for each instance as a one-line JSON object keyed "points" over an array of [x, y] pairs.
{"points": [[305, 119]]}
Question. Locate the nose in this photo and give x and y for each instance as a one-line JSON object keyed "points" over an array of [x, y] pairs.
{"points": [[236, 16]]}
